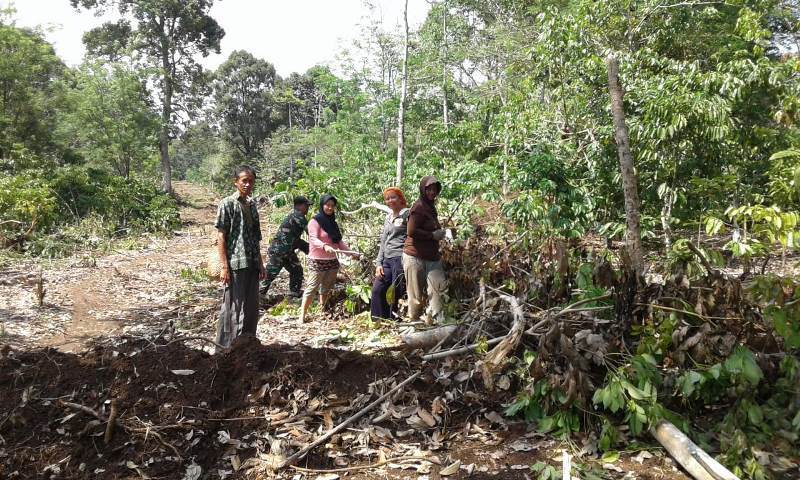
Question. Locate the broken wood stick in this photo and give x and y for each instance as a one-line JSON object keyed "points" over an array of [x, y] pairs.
{"points": [[364, 467], [377, 205], [460, 350], [697, 462], [429, 338], [112, 420], [302, 452], [84, 409]]}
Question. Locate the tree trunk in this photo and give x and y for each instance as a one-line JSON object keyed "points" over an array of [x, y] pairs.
{"points": [[445, 112], [163, 137], [633, 239], [401, 114]]}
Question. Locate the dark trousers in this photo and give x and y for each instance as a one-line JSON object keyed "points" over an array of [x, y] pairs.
{"points": [[291, 263], [239, 312], [392, 274]]}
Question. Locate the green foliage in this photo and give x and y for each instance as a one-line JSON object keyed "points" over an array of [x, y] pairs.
{"points": [[247, 103], [633, 390], [545, 471], [357, 297], [28, 97], [108, 118], [541, 402], [26, 204], [53, 205], [761, 228], [780, 298]]}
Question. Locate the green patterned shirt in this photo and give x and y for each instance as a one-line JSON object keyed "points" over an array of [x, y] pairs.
{"points": [[242, 234]]}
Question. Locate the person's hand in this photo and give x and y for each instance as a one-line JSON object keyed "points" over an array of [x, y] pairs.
{"points": [[328, 249], [379, 271], [225, 275], [438, 234], [262, 273]]}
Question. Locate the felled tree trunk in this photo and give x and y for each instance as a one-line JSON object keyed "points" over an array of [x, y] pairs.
{"points": [[697, 462]]}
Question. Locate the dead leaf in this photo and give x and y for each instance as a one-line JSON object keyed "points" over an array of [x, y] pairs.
{"points": [[450, 469], [522, 446], [495, 417], [642, 456], [183, 372], [327, 476], [504, 383], [236, 463], [426, 417]]}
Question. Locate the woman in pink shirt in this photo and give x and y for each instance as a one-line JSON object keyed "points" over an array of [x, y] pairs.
{"points": [[324, 239]]}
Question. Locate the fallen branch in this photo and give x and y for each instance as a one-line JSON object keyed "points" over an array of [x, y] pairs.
{"points": [[361, 467], [429, 338], [713, 271], [84, 409], [678, 310], [696, 461], [459, 351], [301, 453], [377, 205], [498, 354]]}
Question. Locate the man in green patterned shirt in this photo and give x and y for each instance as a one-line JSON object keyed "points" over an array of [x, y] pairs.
{"points": [[239, 247]]}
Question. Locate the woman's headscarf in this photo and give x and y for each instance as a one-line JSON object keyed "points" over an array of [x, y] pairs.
{"points": [[423, 200], [399, 193], [328, 222]]}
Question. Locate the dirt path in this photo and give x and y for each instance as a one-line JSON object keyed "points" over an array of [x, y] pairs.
{"points": [[91, 297]]}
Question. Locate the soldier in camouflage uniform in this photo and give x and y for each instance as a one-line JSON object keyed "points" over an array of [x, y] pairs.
{"points": [[281, 250]]}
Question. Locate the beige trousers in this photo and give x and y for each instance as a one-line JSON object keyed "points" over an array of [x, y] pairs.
{"points": [[425, 278]]}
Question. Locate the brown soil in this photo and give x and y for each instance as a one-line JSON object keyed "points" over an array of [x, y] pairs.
{"points": [[39, 433]]}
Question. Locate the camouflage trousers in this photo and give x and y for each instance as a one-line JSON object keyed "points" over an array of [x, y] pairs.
{"points": [[291, 263]]}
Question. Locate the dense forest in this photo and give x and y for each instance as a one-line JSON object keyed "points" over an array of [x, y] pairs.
{"points": [[508, 103]]}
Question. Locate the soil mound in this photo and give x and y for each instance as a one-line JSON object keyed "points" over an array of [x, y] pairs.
{"points": [[171, 401]]}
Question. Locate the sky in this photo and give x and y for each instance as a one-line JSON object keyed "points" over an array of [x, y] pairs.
{"points": [[293, 35]]}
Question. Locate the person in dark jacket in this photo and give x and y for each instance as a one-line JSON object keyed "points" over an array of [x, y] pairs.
{"points": [[389, 265], [421, 261]]}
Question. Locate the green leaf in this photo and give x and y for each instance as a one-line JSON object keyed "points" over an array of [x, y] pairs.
{"points": [[610, 457]]}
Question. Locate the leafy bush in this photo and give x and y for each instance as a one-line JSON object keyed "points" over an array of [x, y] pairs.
{"points": [[26, 204], [81, 203]]}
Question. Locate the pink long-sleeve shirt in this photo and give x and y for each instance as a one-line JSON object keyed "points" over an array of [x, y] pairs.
{"points": [[317, 239]]}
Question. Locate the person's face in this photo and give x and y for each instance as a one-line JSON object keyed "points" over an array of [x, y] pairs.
{"points": [[392, 201], [329, 207], [244, 183], [431, 192], [302, 208]]}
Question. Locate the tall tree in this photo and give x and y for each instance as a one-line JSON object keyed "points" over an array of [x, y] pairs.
{"points": [[110, 120], [630, 189], [401, 140], [246, 102], [167, 35], [28, 66]]}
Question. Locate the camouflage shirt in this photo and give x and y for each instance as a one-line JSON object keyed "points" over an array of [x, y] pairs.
{"points": [[289, 233], [242, 231]]}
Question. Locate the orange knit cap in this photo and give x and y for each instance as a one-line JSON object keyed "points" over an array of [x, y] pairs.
{"points": [[397, 192]]}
